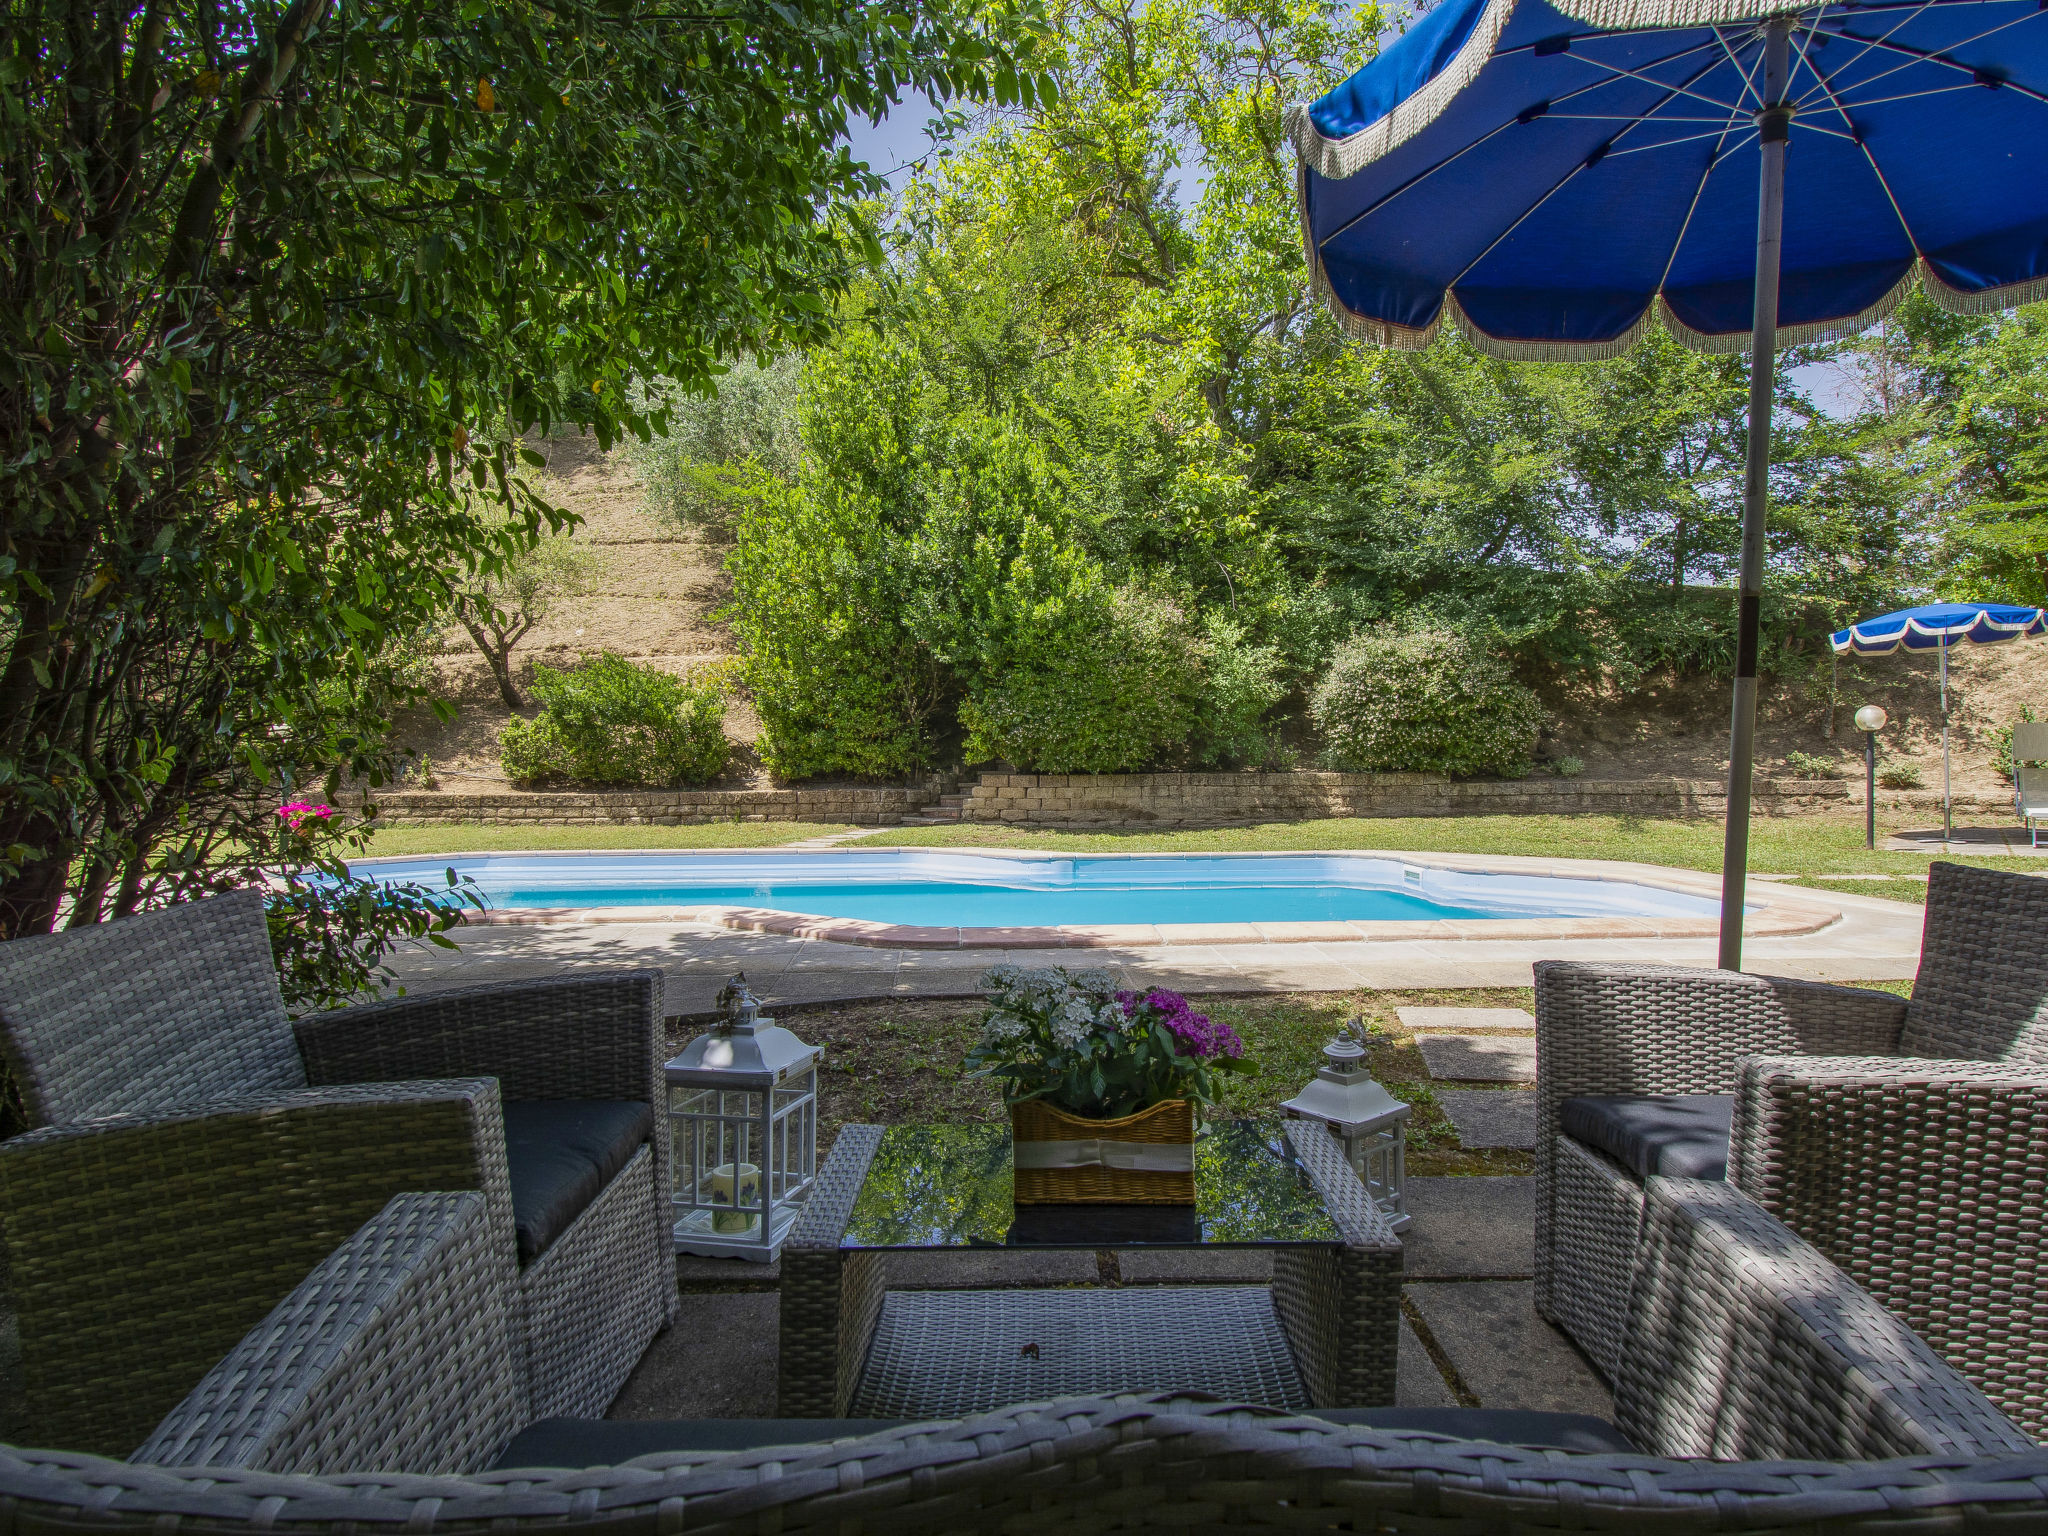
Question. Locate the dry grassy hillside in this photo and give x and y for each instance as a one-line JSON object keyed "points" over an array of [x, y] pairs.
{"points": [[655, 588], [651, 595]]}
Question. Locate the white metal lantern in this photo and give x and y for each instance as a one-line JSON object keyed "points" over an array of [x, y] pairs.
{"points": [[1370, 1121], [743, 1123]]}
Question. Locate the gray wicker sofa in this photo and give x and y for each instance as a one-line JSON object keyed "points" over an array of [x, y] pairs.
{"points": [[1904, 1140], [195, 1159], [1082, 1465]]}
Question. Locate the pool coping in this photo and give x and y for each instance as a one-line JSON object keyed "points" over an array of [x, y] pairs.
{"points": [[1771, 915]]}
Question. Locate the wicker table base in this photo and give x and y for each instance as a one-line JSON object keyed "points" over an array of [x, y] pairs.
{"points": [[942, 1354]]}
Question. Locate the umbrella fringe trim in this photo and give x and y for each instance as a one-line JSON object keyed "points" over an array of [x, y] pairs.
{"points": [[1402, 338]]}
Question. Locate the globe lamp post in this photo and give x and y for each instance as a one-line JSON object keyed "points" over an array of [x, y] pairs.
{"points": [[1870, 719]]}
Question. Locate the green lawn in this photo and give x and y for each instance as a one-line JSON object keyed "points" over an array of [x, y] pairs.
{"points": [[468, 838], [1806, 847]]}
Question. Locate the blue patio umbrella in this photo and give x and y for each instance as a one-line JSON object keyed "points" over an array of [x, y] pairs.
{"points": [[1936, 627], [1552, 177]]}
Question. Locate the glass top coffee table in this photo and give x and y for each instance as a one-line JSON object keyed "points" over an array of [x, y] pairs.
{"points": [[859, 1342]]}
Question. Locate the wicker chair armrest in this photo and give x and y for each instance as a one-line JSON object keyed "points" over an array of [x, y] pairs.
{"points": [[1744, 1342], [1923, 1181], [1606, 1028], [1358, 1216], [1341, 1311], [831, 1299], [595, 1036], [201, 1220], [394, 1354]]}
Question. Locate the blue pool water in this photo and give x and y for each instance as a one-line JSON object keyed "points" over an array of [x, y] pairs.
{"points": [[930, 889]]}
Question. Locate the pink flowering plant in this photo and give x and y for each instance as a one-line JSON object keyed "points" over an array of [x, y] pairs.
{"points": [[1085, 1046]]}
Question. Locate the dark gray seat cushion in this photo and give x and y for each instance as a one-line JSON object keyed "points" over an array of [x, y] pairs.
{"points": [[607, 1442], [562, 1152], [1681, 1136]]}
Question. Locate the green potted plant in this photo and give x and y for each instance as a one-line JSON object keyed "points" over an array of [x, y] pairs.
{"points": [[1101, 1084]]}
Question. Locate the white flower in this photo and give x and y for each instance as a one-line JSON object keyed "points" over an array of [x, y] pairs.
{"points": [[1111, 1016], [1071, 1025], [1001, 1028], [1095, 980], [997, 977]]}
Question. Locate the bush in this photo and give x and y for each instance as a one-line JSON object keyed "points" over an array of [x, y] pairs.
{"points": [[842, 682], [1110, 681], [607, 721], [1241, 685], [1426, 701], [1899, 776], [1804, 765], [1570, 767]]}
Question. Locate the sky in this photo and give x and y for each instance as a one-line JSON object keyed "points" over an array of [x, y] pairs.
{"points": [[892, 145]]}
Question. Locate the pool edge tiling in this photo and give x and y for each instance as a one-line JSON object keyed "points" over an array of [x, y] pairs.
{"points": [[1772, 914]]}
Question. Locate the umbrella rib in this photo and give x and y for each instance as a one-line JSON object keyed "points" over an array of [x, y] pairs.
{"points": [[1562, 182], [1428, 171], [1875, 169], [1698, 191], [1914, 55], [1747, 76], [1913, 13]]}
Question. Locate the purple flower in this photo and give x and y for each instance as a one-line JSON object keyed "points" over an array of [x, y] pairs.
{"points": [[1194, 1034]]}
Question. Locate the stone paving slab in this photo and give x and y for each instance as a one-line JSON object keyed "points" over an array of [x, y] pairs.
{"points": [[1417, 1381], [716, 1361], [1470, 1227], [1437, 1021], [1492, 1117], [1505, 1354], [1480, 1058]]}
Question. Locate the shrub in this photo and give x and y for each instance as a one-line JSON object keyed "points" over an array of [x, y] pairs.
{"points": [[1111, 681], [1570, 767], [1424, 701], [1805, 765], [1899, 776], [842, 682], [607, 721], [1241, 684]]}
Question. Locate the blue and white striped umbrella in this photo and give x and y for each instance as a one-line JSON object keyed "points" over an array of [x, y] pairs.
{"points": [[1936, 626], [1553, 177]]}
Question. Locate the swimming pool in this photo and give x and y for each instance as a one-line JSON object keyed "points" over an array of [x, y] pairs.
{"points": [[919, 888]]}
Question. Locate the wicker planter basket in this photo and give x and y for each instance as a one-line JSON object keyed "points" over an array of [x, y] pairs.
{"points": [[1142, 1159]]}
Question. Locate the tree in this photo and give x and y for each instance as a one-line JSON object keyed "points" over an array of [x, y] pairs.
{"points": [[500, 605], [283, 278]]}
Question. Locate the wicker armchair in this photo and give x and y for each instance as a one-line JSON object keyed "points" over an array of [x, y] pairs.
{"points": [[1081, 1465], [196, 1162], [1981, 996], [396, 1351]]}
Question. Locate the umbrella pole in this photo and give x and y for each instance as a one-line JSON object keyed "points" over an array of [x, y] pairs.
{"points": [[1774, 123], [1948, 817]]}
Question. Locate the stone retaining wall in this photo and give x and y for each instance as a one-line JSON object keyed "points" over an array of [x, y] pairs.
{"points": [[1229, 799], [860, 805]]}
